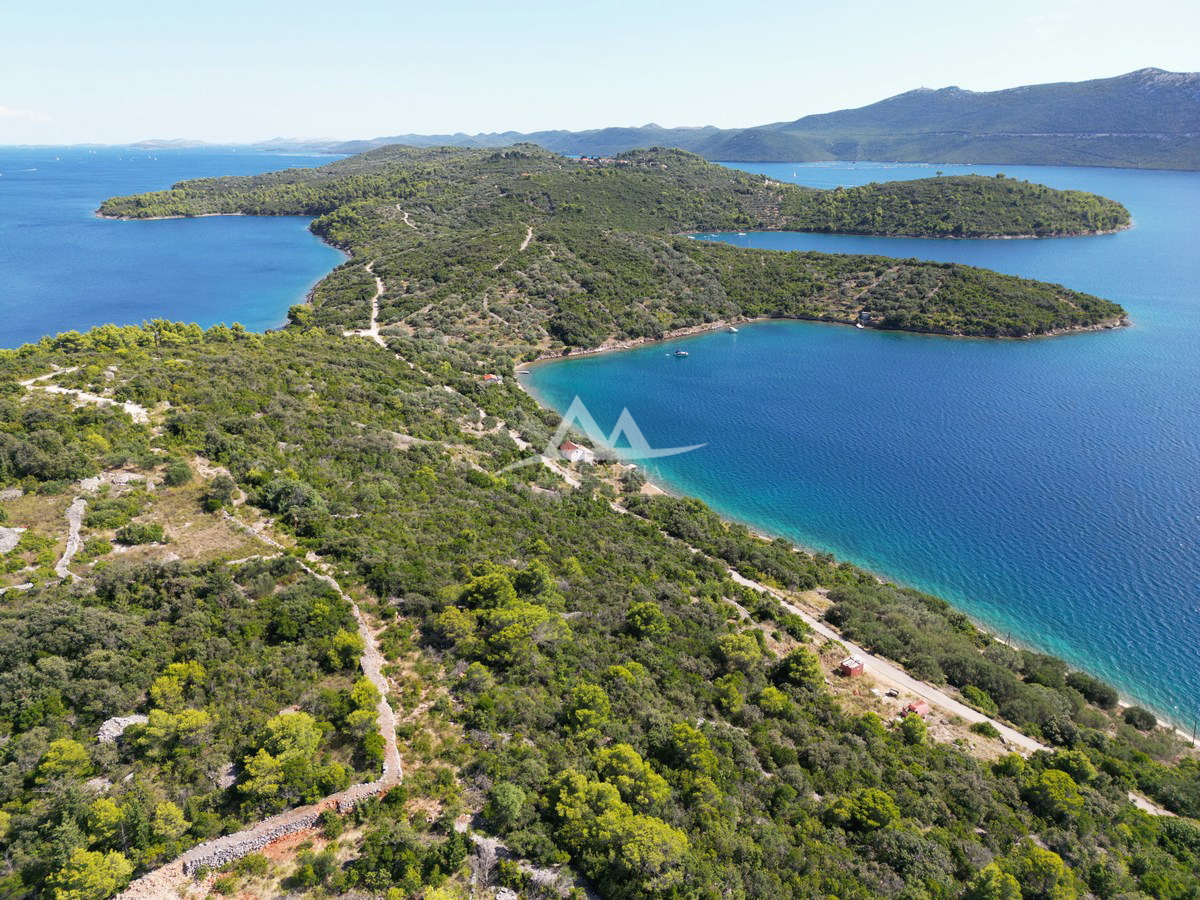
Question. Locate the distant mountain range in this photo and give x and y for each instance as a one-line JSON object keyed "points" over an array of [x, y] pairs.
{"points": [[1146, 119]]}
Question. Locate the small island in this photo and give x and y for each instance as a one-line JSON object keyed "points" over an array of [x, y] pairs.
{"points": [[525, 249]]}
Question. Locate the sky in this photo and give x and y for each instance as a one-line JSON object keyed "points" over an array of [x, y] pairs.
{"points": [[126, 70]]}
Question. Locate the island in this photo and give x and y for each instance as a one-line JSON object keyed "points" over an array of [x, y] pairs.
{"points": [[575, 254], [279, 614]]}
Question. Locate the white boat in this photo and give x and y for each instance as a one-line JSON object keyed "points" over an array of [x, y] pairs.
{"points": [[732, 330], [858, 324], [741, 234], [681, 353]]}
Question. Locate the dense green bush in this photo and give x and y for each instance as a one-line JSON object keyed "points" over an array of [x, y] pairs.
{"points": [[141, 533]]}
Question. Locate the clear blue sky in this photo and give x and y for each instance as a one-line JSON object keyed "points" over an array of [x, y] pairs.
{"points": [[124, 70]]}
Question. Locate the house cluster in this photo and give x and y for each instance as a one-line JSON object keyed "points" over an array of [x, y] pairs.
{"points": [[572, 452], [492, 379]]}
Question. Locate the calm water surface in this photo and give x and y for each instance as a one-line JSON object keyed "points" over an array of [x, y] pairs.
{"points": [[1050, 488], [61, 268]]}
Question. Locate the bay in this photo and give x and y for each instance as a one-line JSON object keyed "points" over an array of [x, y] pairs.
{"points": [[1048, 487], [62, 268]]}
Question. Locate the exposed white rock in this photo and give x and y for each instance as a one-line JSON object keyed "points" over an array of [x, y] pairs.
{"points": [[115, 727], [9, 538]]}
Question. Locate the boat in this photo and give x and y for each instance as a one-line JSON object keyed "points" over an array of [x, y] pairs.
{"points": [[858, 324], [681, 353], [741, 234], [732, 330]]}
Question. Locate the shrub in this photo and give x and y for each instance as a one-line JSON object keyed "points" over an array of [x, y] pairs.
{"points": [[1061, 731], [1093, 689], [1141, 719], [219, 493], [331, 825], [178, 472], [141, 533], [913, 729], [986, 729], [980, 699]]}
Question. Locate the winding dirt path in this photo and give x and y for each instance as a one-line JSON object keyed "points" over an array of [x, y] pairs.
{"points": [[74, 522], [877, 666], [407, 220], [372, 665], [528, 238], [373, 331]]}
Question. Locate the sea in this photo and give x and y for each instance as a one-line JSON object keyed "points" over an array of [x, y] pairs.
{"points": [[1050, 488], [62, 268]]}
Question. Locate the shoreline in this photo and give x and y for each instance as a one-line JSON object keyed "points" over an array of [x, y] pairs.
{"points": [[685, 331], [984, 236], [99, 215], [656, 487]]}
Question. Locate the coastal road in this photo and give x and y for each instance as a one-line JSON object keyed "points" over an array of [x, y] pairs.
{"points": [[896, 676]]}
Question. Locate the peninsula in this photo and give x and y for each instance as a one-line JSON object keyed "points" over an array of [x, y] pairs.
{"points": [[606, 258]]}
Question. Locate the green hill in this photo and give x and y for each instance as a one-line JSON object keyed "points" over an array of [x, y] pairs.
{"points": [[604, 261]]}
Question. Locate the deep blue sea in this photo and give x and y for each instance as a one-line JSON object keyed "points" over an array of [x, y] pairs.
{"points": [[1049, 487], [62, 268]]}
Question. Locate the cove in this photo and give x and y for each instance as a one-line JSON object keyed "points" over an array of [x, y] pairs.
{"points": [[61, 268], [1048, 487]]}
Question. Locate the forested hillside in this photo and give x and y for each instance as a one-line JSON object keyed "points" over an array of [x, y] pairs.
{"points": [[599, 695]]}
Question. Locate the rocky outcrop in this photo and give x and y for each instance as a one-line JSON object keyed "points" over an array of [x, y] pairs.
{"points": [[115, 727]]}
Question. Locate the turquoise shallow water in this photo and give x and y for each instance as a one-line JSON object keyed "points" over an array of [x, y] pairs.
{"points": [[1050, 488], [62, 268]]}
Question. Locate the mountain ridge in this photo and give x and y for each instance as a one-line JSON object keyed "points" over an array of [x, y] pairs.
{"points": [[1149, 118]]}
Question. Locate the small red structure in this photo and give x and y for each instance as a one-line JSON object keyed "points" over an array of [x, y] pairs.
{"points": [[851, 667], [920, 707]]}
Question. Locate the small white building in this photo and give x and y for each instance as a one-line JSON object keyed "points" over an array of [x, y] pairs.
{"points": [[572, 452]]}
